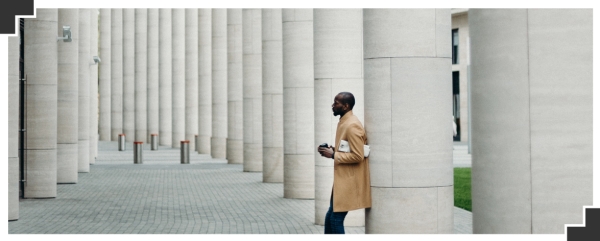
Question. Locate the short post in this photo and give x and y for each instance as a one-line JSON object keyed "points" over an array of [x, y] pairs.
{"points": [[185, 152], [137, 152], [154, 142], [121, 142], [196, 143]]}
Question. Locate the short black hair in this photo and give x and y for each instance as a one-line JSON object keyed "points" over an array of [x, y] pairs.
{"points": [[347, 98]]}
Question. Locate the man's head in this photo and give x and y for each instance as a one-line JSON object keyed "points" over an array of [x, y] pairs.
{"points": [[342, 103]]}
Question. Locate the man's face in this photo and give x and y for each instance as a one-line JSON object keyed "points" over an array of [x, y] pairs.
{"points": [[337, 107]]}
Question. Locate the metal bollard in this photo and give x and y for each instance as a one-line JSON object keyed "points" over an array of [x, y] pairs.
{"points": [[121, 142], [137, 152], [185, 152], [196, 143], [154, 142]]}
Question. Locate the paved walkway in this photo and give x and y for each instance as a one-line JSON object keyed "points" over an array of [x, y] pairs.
{"points": [[162, 196]]}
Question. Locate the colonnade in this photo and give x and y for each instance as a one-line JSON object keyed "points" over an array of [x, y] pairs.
{"points": [[256, 87]]}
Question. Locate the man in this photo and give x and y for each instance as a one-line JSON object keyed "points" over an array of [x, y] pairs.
{"points": [[351, 181]]}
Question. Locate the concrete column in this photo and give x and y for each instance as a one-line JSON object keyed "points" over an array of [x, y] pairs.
{"points": [[41, 56], [141, 68], [218, 141], [204, 80], [93, 86], [298, 102], [191, 76], [252, 83], [85, 59], [67, 116], [235, 88], [407, 89], [165, 79], [13, 128], [532, 93], [153, 74], [338, 68], [178, 83], [272, 95], [129, 74], [105, 74], [116, 73]]}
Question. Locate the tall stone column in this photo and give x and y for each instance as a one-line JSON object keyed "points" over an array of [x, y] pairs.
{"points": [[93, 86], [153, 74], [235, 89], [252, 83], [165, 132], [407, 85], [129, 74], [338, 68], [104, 85], [178, 77], [191, 76], [298, 103], [85, 59], [67, 116], [532, 118], [204, 80], [13, 128], [218, 141], [272, 95], [116, 73], [41, 56], [141, 68]]}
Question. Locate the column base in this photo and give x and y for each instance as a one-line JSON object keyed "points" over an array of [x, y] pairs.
{"points": [[272, 164], [426, 210]]}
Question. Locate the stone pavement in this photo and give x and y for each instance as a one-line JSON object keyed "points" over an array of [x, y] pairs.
{"points": [[162, 196]]}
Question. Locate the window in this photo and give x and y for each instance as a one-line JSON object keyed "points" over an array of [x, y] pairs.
{"points": [[454, 46]]}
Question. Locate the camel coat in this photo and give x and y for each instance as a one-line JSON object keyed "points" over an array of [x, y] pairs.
{"points": [[351, 179]]}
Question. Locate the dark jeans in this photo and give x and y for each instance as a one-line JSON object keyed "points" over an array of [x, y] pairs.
{"points": [[334, 221]]}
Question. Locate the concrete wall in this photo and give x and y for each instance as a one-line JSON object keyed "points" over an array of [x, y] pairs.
{"points": [[165, 77], [178, 77], [272, 89], [41, 56], [191, 76], [153, 101], [298, 104], [85, 59], [204, 80], [252, 75], [407, 88], [235, 88], [141, 74], [104, 85], [129, 74], [218, 141], [93, 86], [116, 73], [338, 35], [532, 92], [68, 98], [13, 128]]}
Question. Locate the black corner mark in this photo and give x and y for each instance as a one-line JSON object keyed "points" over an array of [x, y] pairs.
{"points": [[10, 9], [591, 231]]}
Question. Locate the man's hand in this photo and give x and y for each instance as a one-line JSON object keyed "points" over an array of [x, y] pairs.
{"points": [[326, 152]]}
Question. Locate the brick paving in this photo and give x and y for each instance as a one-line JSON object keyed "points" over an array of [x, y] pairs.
{"points": [[161, 196]]}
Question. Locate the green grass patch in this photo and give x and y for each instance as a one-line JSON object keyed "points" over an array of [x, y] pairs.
{"points": [[462, 188]]}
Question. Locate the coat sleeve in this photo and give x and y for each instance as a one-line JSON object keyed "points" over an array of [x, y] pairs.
{"points": [[355, 137]]}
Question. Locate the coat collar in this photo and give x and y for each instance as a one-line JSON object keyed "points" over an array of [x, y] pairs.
{"points": [[346, 116]]}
